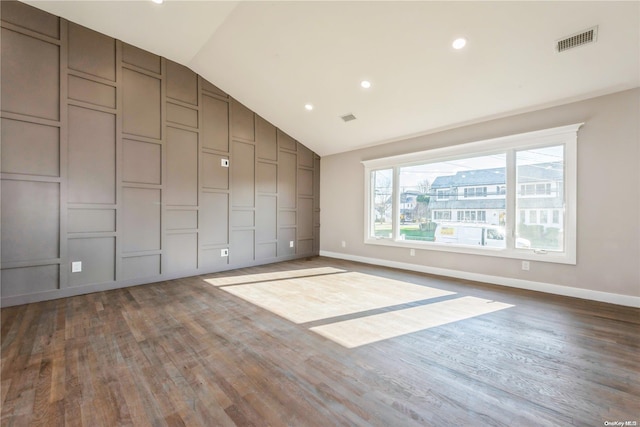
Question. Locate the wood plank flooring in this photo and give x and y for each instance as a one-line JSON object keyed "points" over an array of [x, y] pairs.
{"points": [[200, 351]]}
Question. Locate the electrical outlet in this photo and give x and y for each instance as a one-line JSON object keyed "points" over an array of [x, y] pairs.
{"points": [[525, 265], [290, 243], [412, 252], [344, 244], [224, 252], [76, 266], [224, 163]]}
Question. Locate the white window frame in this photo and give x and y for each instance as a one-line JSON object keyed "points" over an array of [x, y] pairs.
{"points": [[563, 135]]}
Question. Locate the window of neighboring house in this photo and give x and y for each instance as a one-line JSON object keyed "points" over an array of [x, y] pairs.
{"points": [[544, 217], [442, 194], [524, 177], [441, 215], [474, 216], [475, 192]]}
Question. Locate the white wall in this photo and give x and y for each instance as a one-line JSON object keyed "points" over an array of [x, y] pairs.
{"points": [[608, 201]]}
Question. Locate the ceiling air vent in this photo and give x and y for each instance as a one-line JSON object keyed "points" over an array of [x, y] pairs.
{"points": [[578, 39], [348, 117]]}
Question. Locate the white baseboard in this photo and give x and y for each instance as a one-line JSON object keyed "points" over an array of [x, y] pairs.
{"points": [[550, 288]]}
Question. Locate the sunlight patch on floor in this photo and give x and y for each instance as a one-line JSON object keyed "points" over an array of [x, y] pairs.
{"points": [[276, 275], [307, 299], [366, 330]]}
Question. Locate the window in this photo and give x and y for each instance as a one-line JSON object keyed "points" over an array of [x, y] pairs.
{"points": [[545, 166], [441, 215], [475, 192], [544, 217], [522, 187], [381, 212], [479, 216]]}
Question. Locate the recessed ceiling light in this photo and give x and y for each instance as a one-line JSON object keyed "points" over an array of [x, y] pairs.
{"points": [[308, 107], [459, 43], [365, 84], [158, 1]]}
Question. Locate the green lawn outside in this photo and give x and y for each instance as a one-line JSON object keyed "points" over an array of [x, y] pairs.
{"points": [[409, 231]]}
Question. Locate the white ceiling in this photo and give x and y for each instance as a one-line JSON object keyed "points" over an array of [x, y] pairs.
{"points": [[276, 56]]}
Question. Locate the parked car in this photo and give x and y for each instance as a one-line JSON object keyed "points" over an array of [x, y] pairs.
{"points": [[492, 236]]}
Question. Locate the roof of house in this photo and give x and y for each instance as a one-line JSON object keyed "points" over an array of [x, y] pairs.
{"points": [[549, 171]]}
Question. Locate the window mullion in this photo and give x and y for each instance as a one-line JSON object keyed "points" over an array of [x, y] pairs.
{"points": [[510, 202], [395, 225]]}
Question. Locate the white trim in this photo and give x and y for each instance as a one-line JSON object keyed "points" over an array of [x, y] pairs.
{"points": [[534, 138], [550, 288], [567, 136]]}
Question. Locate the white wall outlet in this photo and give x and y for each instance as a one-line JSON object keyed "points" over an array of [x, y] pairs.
{"points": [[224, 252], [525, 265], [412, 252], [290, 243], [343, 244], [76, 266], [224, 163]]}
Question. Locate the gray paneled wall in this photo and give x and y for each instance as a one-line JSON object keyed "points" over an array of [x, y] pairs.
{"points": [[134, 166]]}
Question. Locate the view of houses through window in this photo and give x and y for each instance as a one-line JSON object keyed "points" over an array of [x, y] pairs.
{"points": [[470, 194]]}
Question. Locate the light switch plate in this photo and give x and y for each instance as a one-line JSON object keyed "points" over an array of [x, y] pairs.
{"points": [[290, 243], [76, 266], [224, 163]]}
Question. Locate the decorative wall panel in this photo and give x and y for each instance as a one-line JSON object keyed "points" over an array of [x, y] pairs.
{"points": [[215, 127], [91, 92], [91, 52], [287, 180], [214, 175], [140, 58], [181, 252], [134, 166], [29, 280], [91, 156], [30, 219], [182, 83], [141, 162], [141, 219], [243, 176], [214, 219], [242, 122], [30, 18], [266, 220], [266, 135], [97, 255], [91, 220], [141, 104], [140, 267], [30, 72], [182, 167], [30, 148]]}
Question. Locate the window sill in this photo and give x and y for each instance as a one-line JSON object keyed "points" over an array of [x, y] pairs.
{"points": [[520, 254]]}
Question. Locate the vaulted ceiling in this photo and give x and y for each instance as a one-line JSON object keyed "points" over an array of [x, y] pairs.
{"points": [[275, 57]]}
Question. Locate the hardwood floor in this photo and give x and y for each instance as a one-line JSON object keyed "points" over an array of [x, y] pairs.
{"points": [[208, 351]]}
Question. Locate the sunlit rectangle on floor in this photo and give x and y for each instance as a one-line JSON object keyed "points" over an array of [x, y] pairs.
{"points": [[369, 329], [308, 299]]}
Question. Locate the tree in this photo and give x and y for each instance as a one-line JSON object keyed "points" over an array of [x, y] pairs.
{"points": [[422, 201]]}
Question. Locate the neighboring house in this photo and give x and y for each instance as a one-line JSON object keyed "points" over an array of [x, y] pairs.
{"points": [[480, 195], [408, 205]]}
